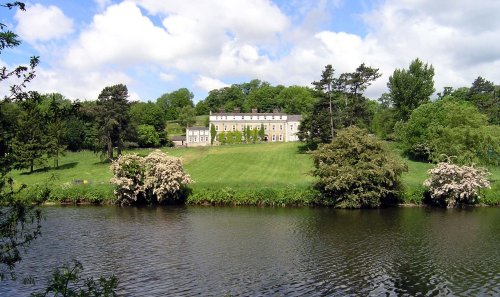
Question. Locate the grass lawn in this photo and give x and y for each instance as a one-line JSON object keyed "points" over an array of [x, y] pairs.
{"points": [[241, 168]]}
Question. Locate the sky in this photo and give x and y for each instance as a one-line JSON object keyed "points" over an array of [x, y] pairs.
{"points": [[158, 46]]}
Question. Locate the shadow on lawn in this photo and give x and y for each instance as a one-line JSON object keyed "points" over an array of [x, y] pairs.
{"points": [[45, 169]]}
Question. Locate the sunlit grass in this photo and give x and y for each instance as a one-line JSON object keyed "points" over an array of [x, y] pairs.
{"points": [[243, 168]]}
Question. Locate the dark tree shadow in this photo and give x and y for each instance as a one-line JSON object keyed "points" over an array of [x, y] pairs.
{"points": [[48, 168]]}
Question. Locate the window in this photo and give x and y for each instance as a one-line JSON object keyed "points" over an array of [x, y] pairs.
{"points": [[206, 139], [195, 139], [242, 127], [265, 127], [234, 127], [225, 128], [281, 127], [216, 127], [273, 127], [281, 137], [274, 137], [291, 127]]}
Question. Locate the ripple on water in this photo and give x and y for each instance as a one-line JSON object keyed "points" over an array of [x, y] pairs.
{"points": [[273, 252]]}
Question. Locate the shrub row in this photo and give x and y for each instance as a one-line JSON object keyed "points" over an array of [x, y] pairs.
{"points": [[287, 196]]}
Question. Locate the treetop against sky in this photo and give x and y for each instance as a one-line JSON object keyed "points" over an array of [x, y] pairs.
{"points": [[156, 47]]}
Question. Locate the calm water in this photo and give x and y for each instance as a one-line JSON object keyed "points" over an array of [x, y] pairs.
{"points": [[261, 252]]}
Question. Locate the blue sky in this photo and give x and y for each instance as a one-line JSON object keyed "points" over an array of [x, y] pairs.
{"points": [[155, 47]]}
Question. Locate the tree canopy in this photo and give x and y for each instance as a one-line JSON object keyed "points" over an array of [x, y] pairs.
{"points": [[410, 88]]}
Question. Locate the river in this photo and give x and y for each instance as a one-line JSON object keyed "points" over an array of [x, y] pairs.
{"points": [[240, 251]]}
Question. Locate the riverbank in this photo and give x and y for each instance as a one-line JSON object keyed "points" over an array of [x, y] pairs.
{"points": [[272, 174]]}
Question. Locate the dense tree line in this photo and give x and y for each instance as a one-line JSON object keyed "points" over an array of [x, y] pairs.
{"points": [[462, 123], [257, 95]]}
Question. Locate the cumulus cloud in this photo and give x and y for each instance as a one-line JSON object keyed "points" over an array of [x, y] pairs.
{"points": [[209, 83], [42, 23], [245, 39], [167, 76]]}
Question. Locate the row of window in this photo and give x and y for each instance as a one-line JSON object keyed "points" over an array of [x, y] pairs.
{"points": [[200, 132], [280, 117], [243, 127], [195, 139]]}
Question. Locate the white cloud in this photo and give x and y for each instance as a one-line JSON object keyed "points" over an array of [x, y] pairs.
{"points": [[42, 23], [78, 85], [167, 76], [209, 83], [244, 39]]}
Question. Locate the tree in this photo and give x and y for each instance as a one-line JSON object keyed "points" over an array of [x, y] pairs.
{"points": [[113, 116], [142, 113], [325, 86], [263, 98], [248, 134], [255, 134], [147, 136], [484, 95], [19, 222], [452, 128], [187, 116], [29, 145], [344, 95], [202, 108], [262, 132], [296, 99], [213, 133], [57, 111], [411, 88], [237, 136], [357, 170], [173, 102]]}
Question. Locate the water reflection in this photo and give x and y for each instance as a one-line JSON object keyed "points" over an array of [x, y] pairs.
{"points": [[264, 251]]}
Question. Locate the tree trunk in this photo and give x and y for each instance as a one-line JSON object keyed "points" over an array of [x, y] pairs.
{"points": [[331, 109], [110, 148]]}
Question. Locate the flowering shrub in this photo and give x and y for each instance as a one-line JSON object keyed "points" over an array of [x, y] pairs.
{"points": [[450, 184], [156, 178]]}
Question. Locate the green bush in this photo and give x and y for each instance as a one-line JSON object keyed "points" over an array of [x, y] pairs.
{"points": [[147, 136], [356, 170], [452, 128]]}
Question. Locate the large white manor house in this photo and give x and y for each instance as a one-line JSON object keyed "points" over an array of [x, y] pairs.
{"points": [[278, 126]]}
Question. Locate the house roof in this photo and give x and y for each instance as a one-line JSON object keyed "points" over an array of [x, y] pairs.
{"points": [[198, 128], [294, 118], [178, 138]]}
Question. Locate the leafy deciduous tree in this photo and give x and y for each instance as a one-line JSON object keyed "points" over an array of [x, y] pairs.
{"points": [[411, 88]]}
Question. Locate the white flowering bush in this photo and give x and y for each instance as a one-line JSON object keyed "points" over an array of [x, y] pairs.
{"points": [[450, 184], [156, 178]]}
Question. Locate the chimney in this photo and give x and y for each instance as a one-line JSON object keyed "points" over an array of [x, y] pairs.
{"points": [[254, 110], [222, 110], [237, 110], [276, 110]]}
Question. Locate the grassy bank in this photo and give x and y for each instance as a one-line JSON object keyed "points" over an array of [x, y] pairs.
{"points": [[260, 174]]}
